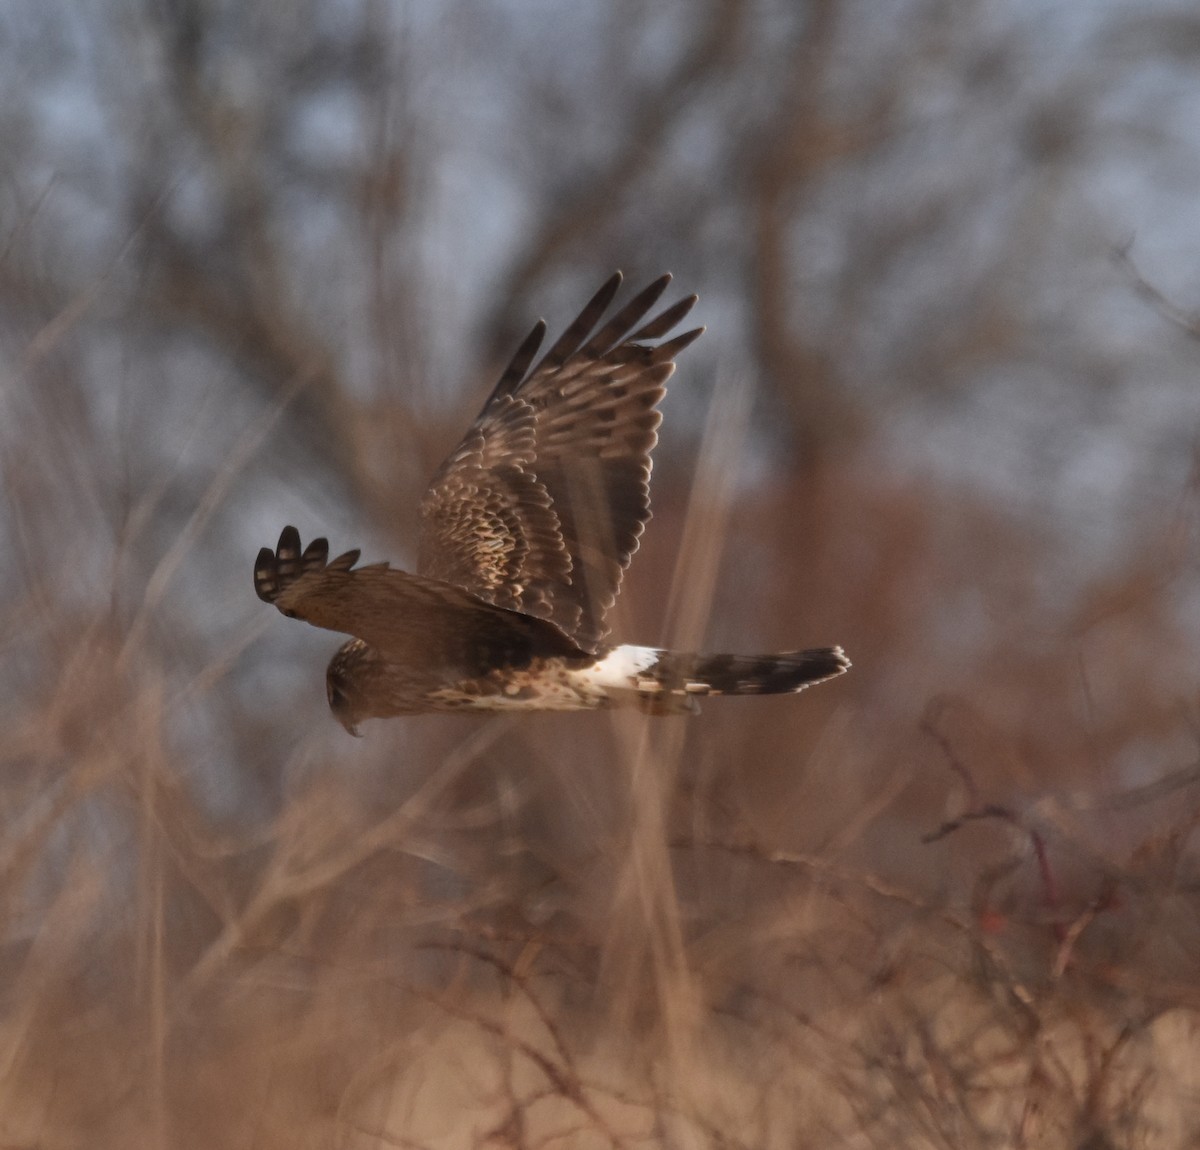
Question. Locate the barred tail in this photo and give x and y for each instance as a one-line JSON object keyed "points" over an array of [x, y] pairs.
{"points": [[670, 681], [748, 674]]}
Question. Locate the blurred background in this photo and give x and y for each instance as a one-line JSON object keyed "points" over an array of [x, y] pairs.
{"points": [[261, 263]]}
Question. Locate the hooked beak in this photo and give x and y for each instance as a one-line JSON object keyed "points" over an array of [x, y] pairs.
{"points": [[350, 727]]}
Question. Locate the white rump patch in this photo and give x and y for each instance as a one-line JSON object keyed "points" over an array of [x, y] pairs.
{"points": [[621, 669]]}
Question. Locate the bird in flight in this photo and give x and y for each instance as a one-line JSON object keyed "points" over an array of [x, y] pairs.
{"points": [[526, 531]]}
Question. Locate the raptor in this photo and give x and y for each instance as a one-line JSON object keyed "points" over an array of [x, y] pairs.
{"points": [[526, 532]]}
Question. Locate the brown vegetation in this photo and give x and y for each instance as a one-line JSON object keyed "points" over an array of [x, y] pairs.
{"points": [[949, 900]]}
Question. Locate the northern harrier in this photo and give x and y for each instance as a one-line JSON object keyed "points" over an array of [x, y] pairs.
{"points": [[526, 531]]}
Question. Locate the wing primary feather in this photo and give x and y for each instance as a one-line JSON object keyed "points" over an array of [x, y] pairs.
{"points": [[346, 561], [662, 323], [315, 554], [665, 352], [519, 364], [289, 561], [568, 343], [266, 577], [289, 544], [617, 327]]}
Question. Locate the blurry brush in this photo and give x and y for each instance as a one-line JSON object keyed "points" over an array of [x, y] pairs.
{"points": [[645, 931]]}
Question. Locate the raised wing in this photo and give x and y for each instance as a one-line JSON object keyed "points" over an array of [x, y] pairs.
{"points": [[408, 618], [540, 508]]}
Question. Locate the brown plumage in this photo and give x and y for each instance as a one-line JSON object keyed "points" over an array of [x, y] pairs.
{"points": [[526, 531]]}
